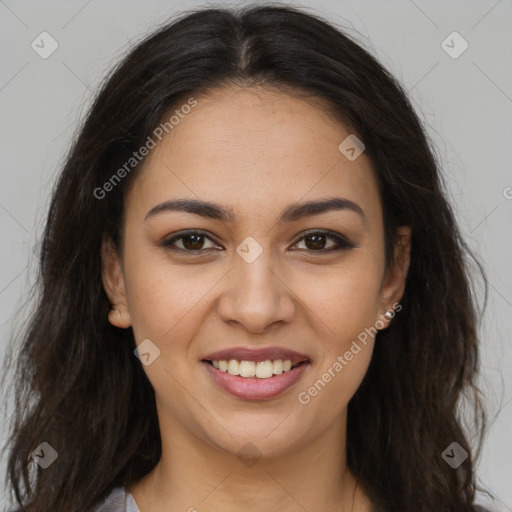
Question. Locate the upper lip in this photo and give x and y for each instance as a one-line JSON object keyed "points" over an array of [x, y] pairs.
{"points": [[257, 354]]}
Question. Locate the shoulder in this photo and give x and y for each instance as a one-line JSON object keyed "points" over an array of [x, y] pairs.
{"points": [[117, 501]]}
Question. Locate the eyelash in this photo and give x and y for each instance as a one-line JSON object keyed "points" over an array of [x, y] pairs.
{"points": [[342, 242]]}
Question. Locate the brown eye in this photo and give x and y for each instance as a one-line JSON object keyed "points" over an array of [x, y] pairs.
{"points": [[190, 242], [193, 242], [315, 241]]}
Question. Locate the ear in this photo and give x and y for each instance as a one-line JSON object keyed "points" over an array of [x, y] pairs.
{"points": [[114, 285], [394, 281]]}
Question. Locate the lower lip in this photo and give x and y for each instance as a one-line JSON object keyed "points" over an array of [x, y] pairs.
{"points": [[254, 388]]}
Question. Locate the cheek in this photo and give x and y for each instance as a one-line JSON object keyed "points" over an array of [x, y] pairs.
{"points": [[346, 309], [165, 310], [344, 349], [163, 299], [346, 298], [326, 394]]}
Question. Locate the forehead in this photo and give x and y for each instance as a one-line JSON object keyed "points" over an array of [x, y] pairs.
{"points": [[254, 148]]}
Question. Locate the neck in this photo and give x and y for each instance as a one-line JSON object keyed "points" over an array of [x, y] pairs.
{"points": [[192, 474]]}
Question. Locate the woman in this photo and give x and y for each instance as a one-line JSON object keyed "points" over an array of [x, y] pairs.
{"points": [[254, 293]]}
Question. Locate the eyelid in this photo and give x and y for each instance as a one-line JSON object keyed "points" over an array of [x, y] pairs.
{"points": [[342, 240], [167, 243], [343, 243]]}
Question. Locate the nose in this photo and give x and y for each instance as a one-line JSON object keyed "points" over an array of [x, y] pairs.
{"points": [[256, 296]]}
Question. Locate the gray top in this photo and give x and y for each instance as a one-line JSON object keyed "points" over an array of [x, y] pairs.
{"points": [[121, 501], [118, 501]]}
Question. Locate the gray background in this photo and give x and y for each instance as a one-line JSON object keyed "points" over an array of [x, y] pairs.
{"points": [[466, 103]]}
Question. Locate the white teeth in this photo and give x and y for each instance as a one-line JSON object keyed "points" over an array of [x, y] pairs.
{"points": [[278, 367], [260, 369], [247, 368], [233, 367], [264, 369]]}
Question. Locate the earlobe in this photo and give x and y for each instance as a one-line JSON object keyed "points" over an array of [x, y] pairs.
{"points": [[394, 283], [113, 283], [119, 317]]}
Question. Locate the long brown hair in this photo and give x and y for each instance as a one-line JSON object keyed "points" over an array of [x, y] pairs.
{"points": [[78, 386]]}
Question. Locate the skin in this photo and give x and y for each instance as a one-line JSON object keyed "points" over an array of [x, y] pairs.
{"points": [[254, 151]]}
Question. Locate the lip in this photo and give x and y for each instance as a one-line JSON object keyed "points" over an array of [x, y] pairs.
{"points": [[254, 388], [257, 354]]}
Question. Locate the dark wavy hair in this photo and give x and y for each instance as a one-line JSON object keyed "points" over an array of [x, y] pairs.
{"points": [[78, 385]]}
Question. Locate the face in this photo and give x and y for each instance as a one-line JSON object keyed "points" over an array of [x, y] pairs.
{"points": [[264, 281]]}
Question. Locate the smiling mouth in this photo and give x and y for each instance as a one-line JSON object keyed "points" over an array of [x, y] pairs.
{"points": [[255, 369]]}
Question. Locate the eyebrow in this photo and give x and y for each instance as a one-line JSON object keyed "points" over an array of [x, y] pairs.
{"points": [[292, 212]]}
